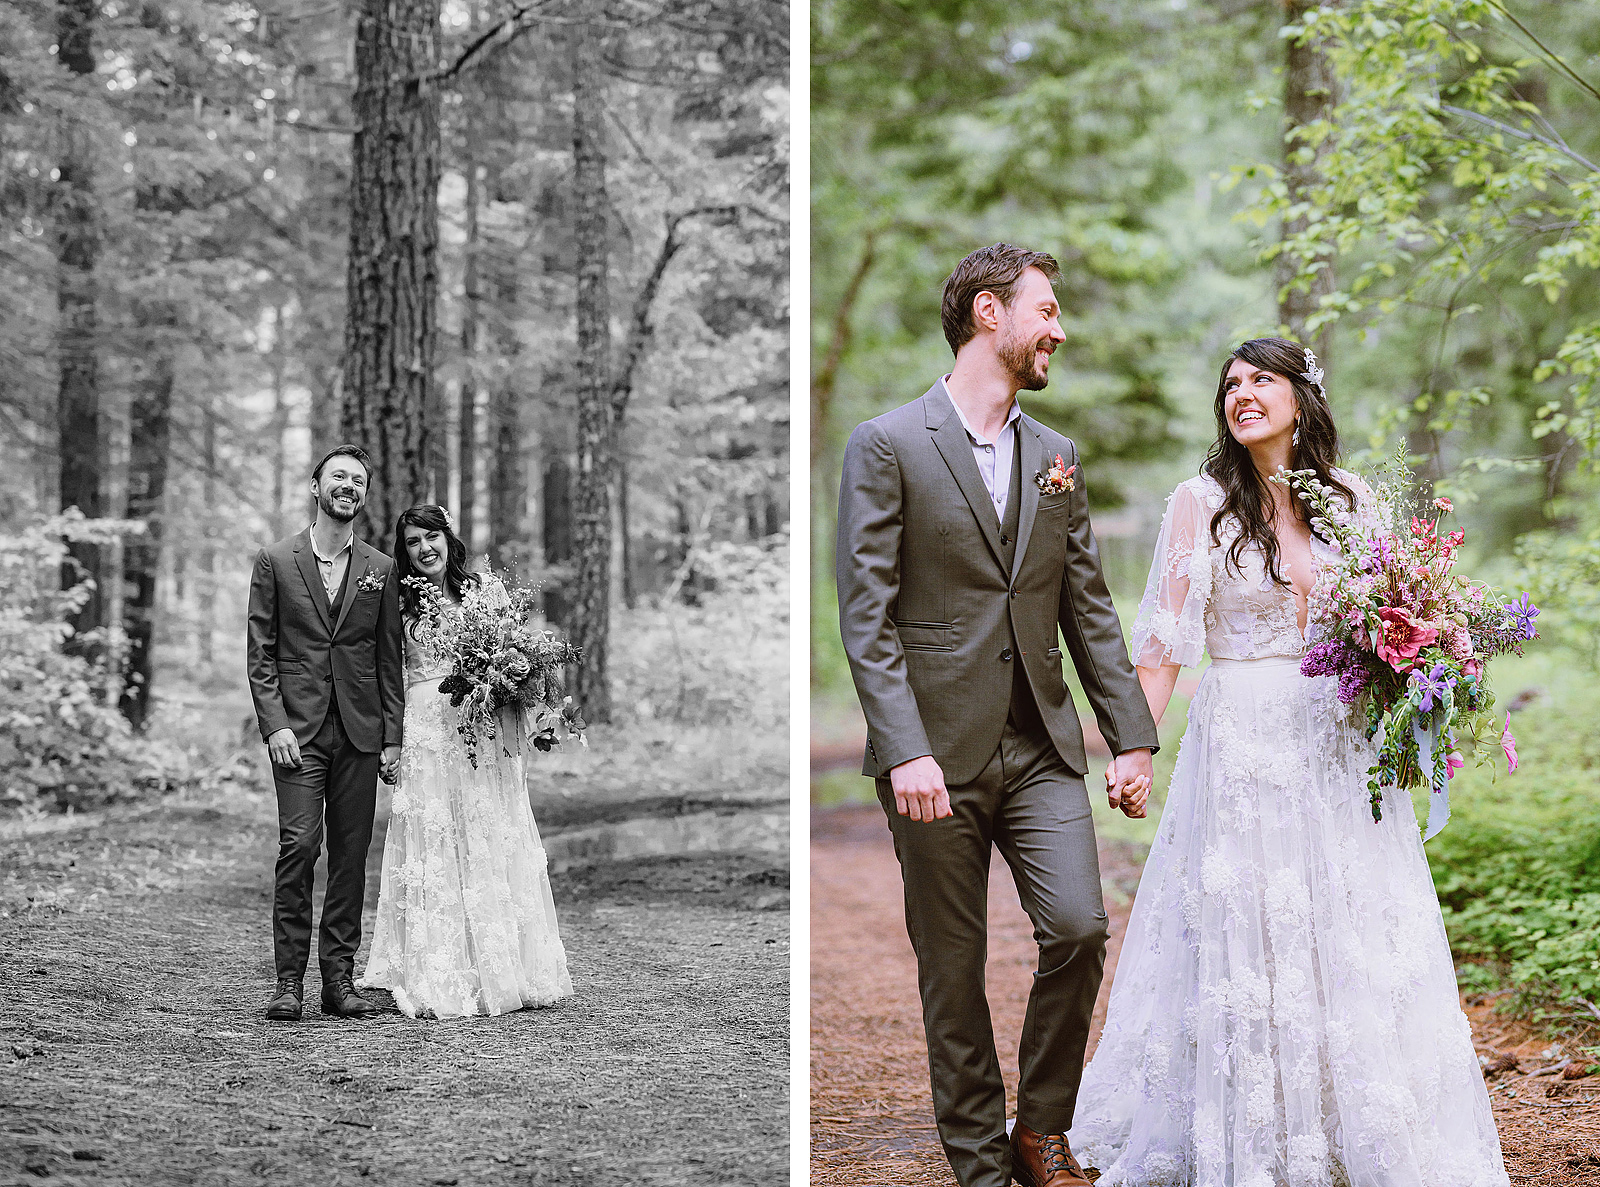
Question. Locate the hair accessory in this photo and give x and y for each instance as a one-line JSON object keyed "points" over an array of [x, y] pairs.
{"points": [[1313, 373], [449, 520]]}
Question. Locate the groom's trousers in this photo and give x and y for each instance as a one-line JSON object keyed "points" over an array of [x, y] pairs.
{"points": [[1028, 804], [336, 783]]}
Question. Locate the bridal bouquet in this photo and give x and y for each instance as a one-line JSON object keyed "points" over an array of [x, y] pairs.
{"points": [[498, 659], [1408, 638]]}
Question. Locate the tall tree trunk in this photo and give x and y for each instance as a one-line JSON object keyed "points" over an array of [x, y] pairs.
{"points": [[471, 305], [393, 284], [508, 490], [826, 378], [77, 248], [207, 580], [591, 605], [1310, 91], [557, 532], [149, 436], [280, 424]]}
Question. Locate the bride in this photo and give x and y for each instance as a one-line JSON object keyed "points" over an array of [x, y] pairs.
{"points": [[1285, 1011], [466, 922]]}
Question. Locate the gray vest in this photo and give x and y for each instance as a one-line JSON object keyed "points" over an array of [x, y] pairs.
{"points": [[1024, 711]]}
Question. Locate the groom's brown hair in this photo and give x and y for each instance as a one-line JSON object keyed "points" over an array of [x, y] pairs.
{"points": [[995, 269]]}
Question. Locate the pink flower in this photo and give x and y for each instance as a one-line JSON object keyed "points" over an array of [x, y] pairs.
{"points": [[1444, 505], [1401, 637], [1472, 667], [1509, 745], [1453, 763]]}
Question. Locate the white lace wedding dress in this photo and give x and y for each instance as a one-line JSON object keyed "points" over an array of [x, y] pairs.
{"points": [[1284, 1011], [466, 923]]}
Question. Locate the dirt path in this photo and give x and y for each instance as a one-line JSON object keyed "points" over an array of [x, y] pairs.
{"points": [[135, 963], [871, 1122]]}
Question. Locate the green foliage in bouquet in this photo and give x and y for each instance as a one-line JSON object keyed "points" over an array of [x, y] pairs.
{"points": [[499, 660], [1408, 638]]}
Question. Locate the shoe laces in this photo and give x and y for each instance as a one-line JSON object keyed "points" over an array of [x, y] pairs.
{"points": [[286, 985], [344, 986], [1053, 1149]]}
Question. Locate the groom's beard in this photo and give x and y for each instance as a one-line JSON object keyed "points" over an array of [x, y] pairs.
{"points": [[1017, 357], [334, 511]]}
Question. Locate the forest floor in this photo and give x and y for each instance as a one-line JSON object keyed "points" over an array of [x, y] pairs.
{"points": [[135, 964], [871, 1122]]}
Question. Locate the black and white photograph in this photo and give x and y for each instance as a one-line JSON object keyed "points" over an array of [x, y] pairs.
{"points": [[395, 600]]}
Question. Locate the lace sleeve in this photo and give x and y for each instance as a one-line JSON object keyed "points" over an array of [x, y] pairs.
{"points": [[1171, 626]]}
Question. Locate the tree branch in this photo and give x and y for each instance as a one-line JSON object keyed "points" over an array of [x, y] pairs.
{"points": [[639, 323], [1520, 134]]}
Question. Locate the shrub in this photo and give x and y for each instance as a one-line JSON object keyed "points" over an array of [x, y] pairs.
{"points": [[720, 661], [61, 745], [1518, 869]]}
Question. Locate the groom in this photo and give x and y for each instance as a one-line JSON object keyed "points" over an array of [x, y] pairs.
{"points": [[964, 541], [327, 676]]}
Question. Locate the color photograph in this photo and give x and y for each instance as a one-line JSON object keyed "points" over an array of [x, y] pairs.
{"points": [[1203, 635]]}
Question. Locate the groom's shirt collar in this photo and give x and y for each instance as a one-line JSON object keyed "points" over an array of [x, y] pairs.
{"points": [[993, 457], [331, 568]]}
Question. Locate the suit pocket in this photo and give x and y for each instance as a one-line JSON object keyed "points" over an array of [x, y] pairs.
{"points": [[1053, 503], [291, 665], [925, 636]]}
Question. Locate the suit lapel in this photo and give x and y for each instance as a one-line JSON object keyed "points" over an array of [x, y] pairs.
{"points": [[306, 562], [1030, 461], [358, 566], [956, 448]]}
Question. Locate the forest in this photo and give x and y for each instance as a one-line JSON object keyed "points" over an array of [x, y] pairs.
{"points": [[533, 257], [1409, 186]]}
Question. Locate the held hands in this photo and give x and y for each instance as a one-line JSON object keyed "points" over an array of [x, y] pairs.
{"points": [[283, 749], [389, 764], [1128, 780], [919, 790]]}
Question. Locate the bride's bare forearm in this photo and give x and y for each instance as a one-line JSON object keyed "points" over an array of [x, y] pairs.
{"points": [[1158, 684]]}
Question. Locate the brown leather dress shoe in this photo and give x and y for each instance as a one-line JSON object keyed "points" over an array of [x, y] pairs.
{"points": [[1043, 1160], [339, 998], [285, 1003]]}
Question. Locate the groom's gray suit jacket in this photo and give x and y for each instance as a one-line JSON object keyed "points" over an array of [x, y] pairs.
{"points": [[932, 618], [303, 650]]}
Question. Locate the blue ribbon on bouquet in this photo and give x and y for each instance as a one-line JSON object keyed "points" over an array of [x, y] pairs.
{"points": [[1438, 788], [1432, 707]]}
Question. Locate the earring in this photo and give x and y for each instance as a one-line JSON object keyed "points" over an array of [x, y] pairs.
{"points": [[1296, 441]]}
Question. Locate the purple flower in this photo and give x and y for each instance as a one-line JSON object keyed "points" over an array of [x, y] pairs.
{"points": [[1523, 612], [1353, 681], [1434, 686]]}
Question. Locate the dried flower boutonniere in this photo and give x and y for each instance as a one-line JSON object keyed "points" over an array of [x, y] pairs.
{"points": [[371, 581], [1057, 480]]}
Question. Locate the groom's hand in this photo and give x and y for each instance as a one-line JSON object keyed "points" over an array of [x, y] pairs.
{"points": [[1128, 782], [919, 790], [283, 749], [389, 764]]}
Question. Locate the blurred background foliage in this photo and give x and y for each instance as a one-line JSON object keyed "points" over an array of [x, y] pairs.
{"points": [[1410, 186]]}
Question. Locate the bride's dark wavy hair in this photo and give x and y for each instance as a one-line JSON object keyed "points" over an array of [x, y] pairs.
{"points": [[1246, 495], [430, 518]]}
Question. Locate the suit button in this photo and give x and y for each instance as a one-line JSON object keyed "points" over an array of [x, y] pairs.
{"points": [[1013, 593], [328, 679], [1006, 655], [1004, 539]]}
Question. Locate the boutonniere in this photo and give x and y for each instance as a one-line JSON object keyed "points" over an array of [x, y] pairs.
{"points": [[371, 581], [1057, 480]]}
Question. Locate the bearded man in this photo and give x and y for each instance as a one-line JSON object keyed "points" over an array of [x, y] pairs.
{"points": [[964, 544], [328, 679]]}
